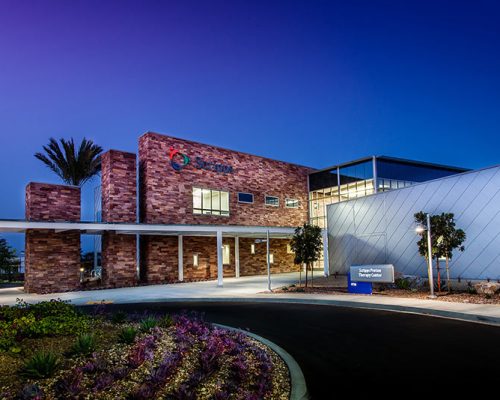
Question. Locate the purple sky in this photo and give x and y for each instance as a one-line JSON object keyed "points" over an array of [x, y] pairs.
{"points": [[312, 82]]}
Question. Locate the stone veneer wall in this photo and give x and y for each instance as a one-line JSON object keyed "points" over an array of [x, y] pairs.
{"points": [[52, 259], [166, 194], [256, 264], [159, 256], [119, 195]]}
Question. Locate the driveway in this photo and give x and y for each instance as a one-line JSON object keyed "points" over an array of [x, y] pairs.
{"points": [[344, 351]]}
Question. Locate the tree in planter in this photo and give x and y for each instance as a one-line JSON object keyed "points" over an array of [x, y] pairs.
{"points": [[306, 243], [444, 238], [74, 167], [451, 239], [9, 263]]}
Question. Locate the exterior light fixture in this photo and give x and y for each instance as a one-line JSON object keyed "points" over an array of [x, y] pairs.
{"points": [[420, 230]]}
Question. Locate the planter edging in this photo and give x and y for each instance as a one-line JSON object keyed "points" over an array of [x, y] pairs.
{"points": [[298, 388]]}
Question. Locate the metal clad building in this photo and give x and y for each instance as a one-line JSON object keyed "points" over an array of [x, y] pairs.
{"points": [[380, 228]]}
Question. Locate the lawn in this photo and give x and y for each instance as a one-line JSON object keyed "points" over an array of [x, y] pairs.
{"points": [[52, 350]]}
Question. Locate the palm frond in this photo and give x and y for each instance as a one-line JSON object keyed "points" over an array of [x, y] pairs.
{"points": [[74, 168]]}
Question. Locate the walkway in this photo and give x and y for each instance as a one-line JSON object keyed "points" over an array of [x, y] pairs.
{"points": [[253, 289]]}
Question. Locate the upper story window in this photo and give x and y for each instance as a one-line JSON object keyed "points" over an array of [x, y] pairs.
{"points": [[272, 201], [245, 197], [210, 202], [291, 203]]}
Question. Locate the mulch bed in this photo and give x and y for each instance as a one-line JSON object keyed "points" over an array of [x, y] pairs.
{"points": [[457, 297]]}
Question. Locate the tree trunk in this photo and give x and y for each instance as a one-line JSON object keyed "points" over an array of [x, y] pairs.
{"points": [[439, 274], [307, 267], [312, 275], [300, 275], [448, 283]]}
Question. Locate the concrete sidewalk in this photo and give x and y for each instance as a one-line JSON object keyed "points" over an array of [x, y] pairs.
{"points": [[253, 289]]}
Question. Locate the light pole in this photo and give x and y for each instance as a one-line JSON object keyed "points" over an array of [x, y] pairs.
{"points": [[420, 229]]}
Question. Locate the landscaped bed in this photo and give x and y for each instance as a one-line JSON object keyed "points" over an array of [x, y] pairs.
{"points": [[53, 351]]}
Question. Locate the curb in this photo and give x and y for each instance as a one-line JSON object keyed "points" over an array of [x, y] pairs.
{"points": [[298, 388], [429, 312]]}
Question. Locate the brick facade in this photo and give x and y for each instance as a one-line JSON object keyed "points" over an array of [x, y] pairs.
{"points": [[159, 258], [52, 259], [49, 202], [119, 195], [166, 194]]}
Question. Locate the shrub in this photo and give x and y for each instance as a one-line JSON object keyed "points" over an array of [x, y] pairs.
{"points": [[148, 323], [119, 317], [402, 283], [471, 289], [49, 318], [41, 365], [85, 344], [165, 321], [127, 335], [284, 288]]}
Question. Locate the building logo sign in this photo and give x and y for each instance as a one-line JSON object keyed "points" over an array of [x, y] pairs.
{"points": [[180, 160], [175, 156]]}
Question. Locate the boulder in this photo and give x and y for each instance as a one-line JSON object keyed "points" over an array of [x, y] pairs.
{"points": [[487, 287]]}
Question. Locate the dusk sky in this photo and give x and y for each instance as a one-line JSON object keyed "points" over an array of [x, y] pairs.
{"points": [[310, 82]]}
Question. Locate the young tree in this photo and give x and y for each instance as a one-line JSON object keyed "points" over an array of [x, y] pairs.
{"points": [[73, 167], [451, 239], [9, 263], [307, 243]]}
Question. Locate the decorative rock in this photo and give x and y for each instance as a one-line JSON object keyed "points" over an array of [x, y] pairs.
{"points": [[488, 288]]}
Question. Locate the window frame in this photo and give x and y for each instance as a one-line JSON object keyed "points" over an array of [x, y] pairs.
{"points": [[271, 205], [245, 202], [295, 200], [218, 212]]}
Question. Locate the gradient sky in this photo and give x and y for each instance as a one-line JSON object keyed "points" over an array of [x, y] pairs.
{"points": [[311, 82]]}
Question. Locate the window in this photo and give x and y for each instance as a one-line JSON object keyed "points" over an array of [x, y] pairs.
{"points": [[252, 248], [196, 259], [289, 249], [271, 258], [245, 197], [291, 203], [226, 251], [272, 201], [210, 202]]}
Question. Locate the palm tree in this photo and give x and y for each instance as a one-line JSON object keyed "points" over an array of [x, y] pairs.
{"points": [[74, 168]]}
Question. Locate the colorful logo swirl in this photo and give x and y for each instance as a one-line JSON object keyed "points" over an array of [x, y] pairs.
{"points": [[176, 154]]}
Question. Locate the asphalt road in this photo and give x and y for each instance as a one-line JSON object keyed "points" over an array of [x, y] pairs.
{"points": [[341, 348]]}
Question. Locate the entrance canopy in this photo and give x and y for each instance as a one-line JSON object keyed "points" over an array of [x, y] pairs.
{"points": [[148, 229]]}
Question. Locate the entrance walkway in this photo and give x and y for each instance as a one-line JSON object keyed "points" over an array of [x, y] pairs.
{"points": [[233, 288]]}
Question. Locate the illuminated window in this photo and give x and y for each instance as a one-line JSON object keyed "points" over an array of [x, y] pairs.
{"points": [[226, 252], [196, 260], [291, 203], [252, 248], [210, 202]]}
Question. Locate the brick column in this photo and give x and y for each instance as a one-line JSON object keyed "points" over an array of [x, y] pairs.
{"points": [[52, 259], [119, 194]]}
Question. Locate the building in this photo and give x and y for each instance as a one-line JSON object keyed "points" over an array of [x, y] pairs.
{"points": [[380, 229], [183, 211]]}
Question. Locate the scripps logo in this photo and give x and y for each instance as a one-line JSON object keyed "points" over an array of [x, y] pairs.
{"points": [[182, 159], [179, 160]]}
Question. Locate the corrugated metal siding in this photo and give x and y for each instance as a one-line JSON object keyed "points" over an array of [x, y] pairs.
{"points": [[380, 228]]}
